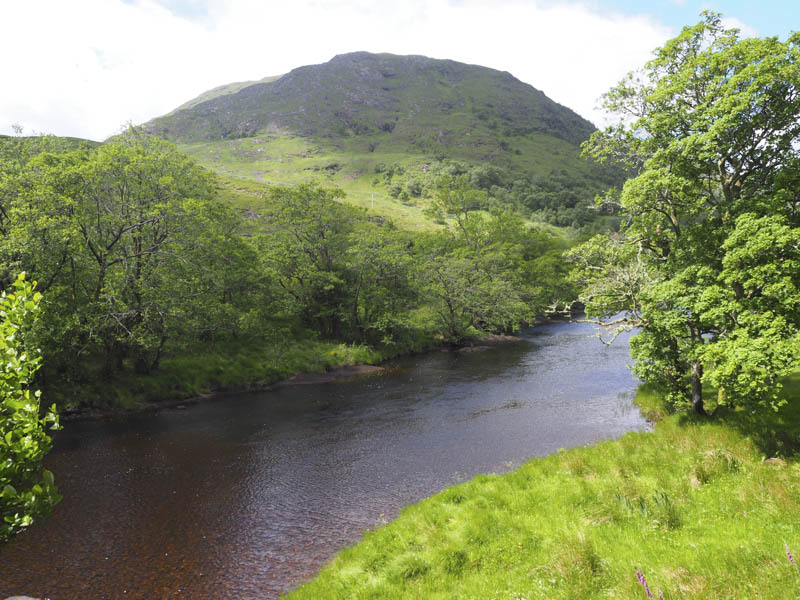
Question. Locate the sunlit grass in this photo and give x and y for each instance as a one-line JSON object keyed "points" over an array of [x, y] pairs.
{"points": [[271, 159], [692, 505], [244, 365]]}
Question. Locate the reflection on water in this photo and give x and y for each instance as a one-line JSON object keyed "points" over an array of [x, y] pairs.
{"points": [[245, 496]]}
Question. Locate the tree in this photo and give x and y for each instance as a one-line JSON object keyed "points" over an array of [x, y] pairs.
{"points": [[379, 264], [706, 263], [111, 233], [303, 243], [27, 492], [482, 270]]}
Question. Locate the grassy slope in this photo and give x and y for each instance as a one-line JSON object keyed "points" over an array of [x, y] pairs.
{"points": [[282, 158], [290, 160], [692, 505]]}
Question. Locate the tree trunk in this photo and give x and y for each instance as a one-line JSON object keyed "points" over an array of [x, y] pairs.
{"points": [[697, 389]]}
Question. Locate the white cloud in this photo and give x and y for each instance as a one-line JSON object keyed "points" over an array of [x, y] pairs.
{"points": [[744, 29], [86, 67], [731, 22]]}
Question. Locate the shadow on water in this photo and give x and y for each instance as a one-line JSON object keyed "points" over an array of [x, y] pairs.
{"points": [[246, 496]]}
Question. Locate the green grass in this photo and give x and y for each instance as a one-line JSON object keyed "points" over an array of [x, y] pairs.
{"points": [[246, 176], [691, 504], [269, 160], [230, 367], [236, 366]]}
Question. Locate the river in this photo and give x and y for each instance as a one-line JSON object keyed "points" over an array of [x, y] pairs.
{"points": [[245, 496]]}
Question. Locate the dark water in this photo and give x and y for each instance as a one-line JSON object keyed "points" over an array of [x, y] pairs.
{"points": [[246, 496]]}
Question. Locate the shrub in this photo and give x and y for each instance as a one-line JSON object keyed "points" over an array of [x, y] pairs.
{"points": [[26, 490]]}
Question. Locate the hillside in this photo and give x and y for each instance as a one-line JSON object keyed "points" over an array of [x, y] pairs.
{"points": [[222, 90], [383, 127], [43, 143]]}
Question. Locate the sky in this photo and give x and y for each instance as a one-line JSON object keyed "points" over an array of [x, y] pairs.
{"points": [[87, 68]]}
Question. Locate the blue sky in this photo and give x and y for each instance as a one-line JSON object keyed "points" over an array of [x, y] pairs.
{"points": [[767, 17], [99, 64]]}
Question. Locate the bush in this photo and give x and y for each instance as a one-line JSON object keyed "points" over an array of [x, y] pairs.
{"points": [[26, 491]]}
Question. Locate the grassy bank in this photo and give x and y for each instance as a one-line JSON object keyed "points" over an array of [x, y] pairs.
{"points": [[244, 365], [691, 505]]}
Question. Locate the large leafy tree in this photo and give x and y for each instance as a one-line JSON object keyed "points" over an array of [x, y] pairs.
{"points": [[132, 248], [303, 244], [379, 263], [338, 272], [707, 260], [482, 270]]}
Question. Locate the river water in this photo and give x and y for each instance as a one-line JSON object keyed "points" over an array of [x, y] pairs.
{"points": [[245, 496]]}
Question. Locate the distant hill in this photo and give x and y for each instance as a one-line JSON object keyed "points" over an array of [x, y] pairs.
{"points": [[222, 90], [381, 126], [17, 150], [45, 143]]}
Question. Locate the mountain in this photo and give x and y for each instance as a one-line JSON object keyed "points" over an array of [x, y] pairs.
{"points": [[359, 116], [409, 97]]}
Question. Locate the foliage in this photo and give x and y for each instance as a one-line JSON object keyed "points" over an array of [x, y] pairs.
{"points": [[350, 277], [27, 492], [380, 262], [707, 265], [338, 272], [480, 270], [132, 249], [304, 245]]}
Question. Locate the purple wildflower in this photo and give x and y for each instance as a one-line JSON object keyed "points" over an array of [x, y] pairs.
{"points": [[791, 558], [660, 595], [643, 581]]}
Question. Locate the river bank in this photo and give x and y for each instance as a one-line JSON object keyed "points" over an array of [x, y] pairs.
{"points": [[187, 380], [693, 506]]}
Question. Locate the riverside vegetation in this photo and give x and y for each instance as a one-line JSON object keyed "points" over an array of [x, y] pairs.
{"points": [[142, 261], [145, 258]]}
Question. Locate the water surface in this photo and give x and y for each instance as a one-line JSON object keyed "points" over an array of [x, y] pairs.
{"points": [[246, 496]]}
